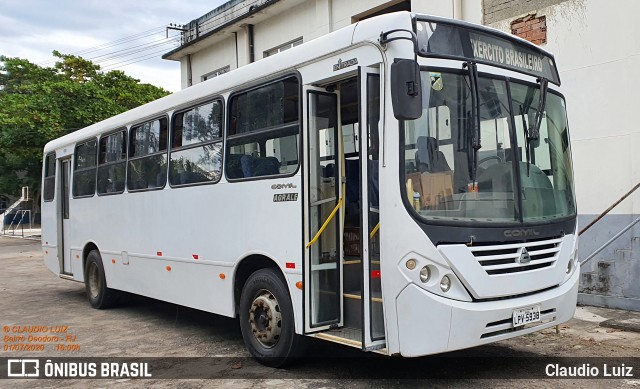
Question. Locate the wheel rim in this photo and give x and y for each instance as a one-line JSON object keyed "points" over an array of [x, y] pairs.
{"points": [[94, 280], [265, 319]]}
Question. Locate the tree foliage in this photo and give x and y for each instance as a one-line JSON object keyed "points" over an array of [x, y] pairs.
{"points": [[38, 104]]}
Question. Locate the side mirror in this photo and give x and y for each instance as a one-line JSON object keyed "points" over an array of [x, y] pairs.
{"points": [[406, 89]]}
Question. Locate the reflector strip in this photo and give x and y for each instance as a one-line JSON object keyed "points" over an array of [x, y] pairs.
{"points": [[159, 253], [290, 265], [195, 256], [375, 273]]}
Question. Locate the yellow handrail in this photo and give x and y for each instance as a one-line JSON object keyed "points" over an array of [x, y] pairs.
{"points": [[375, 229], [326, 223]]}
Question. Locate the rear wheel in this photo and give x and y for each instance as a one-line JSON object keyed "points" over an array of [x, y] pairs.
{"points": [[266, 319], [99, 295]]}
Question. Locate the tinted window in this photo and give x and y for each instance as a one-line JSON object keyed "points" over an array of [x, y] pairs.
{"points": [[147, 155], [264, 130], [48, 189], [112, 166], [196, 145], [84, 170]]}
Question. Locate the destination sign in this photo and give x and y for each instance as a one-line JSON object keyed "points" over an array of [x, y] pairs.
{"points": [[466, 43]]}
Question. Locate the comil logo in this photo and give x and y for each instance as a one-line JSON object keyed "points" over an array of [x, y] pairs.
{"points": [[23, 368]]}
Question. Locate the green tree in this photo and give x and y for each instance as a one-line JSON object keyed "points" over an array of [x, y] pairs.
{"points": [[38, 104]]}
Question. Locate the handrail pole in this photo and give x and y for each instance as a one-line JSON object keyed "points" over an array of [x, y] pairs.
{"points": [[616, 236], [325, 224], [609, 209]]}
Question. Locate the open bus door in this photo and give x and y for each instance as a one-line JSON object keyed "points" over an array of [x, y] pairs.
{"points": [[323, 200], [343, 296], [373, 330]]}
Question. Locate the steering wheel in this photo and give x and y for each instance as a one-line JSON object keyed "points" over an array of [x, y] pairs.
{"points": [[489, 158]]}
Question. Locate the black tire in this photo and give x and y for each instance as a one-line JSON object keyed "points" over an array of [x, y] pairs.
{"points": [[99, 295], [264, 300]]}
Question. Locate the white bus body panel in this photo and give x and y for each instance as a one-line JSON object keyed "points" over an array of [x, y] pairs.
{"points": [[431, 324]]}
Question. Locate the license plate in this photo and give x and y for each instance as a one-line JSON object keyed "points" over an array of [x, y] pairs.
{"points": [[526, 315]]}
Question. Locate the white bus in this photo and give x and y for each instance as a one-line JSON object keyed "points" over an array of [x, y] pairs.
{"points": [[403, 185]]}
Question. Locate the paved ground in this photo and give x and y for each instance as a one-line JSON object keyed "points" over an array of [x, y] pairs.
{"points": [[31, 295]]}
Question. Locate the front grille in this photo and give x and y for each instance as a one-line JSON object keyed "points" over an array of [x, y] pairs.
{"points": [[504, 259]]}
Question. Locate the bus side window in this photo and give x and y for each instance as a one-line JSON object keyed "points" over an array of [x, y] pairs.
{"points": [[48, 190], [84, 169], [196, 145], [112, 160], [264, 130], [147, 155]]}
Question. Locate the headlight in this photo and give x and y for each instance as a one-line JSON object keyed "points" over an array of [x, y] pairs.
{"points": [[425, 274], [445, 284]]}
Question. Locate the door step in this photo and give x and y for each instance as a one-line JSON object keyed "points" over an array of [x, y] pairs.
{"points": [[351, 337]]}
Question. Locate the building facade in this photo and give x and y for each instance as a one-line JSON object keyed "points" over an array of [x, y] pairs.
{"points": [[597, 47], [244, 31], [596, 44]]}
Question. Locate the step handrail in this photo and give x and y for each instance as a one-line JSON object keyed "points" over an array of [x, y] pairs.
{"points": [[606, 211], [616, 236]]}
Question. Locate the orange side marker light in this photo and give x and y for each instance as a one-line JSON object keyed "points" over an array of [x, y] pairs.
{"points": [[222, 276], [299, 285], [168, 268], [113, 260]]}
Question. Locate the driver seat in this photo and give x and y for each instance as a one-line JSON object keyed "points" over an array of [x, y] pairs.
{"points": [[428, 157]]}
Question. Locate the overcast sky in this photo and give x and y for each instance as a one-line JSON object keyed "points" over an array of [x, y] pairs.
{"points": [[32, 29]]}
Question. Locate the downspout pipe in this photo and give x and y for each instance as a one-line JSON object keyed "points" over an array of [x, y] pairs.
{"points": [[457, 9], [252, 56]]}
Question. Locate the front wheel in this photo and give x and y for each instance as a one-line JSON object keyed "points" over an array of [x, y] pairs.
{"points": [[100, 297], [266, 319]]}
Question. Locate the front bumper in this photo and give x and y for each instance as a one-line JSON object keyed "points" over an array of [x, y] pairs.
{"points": [[429, 324]]}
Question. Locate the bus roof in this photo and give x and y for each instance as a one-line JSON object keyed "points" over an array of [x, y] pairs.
{"points": [[366, 30], [237, 78]]}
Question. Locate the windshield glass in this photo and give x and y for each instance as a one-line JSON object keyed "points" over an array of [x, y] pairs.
{"points": [[546, 176], [447, 180]]}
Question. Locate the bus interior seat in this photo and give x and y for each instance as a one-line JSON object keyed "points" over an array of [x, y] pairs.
{"points": [[461, 175], [428, 157], [259, 166], [352, 186]]}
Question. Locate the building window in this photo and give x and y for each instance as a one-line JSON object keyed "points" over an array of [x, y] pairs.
{"points": [[196, 145], [112, 163], [84, 169], [49, 177], [284, 47], [148, 155], [216, 73], [264, 131]]}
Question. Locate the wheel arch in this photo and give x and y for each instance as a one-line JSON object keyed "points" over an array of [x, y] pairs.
{"points": [[88, 247], [249, 265]]}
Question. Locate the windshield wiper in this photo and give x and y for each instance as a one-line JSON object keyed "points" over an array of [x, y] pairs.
{"points": [[533, 133], [475, 120]]}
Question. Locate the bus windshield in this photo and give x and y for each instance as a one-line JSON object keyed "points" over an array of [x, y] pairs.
{"points": [[447, 179]]}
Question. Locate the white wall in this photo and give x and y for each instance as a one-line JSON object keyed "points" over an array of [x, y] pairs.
{"points": [[298, 21], [308, 19], [597, 47]]}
